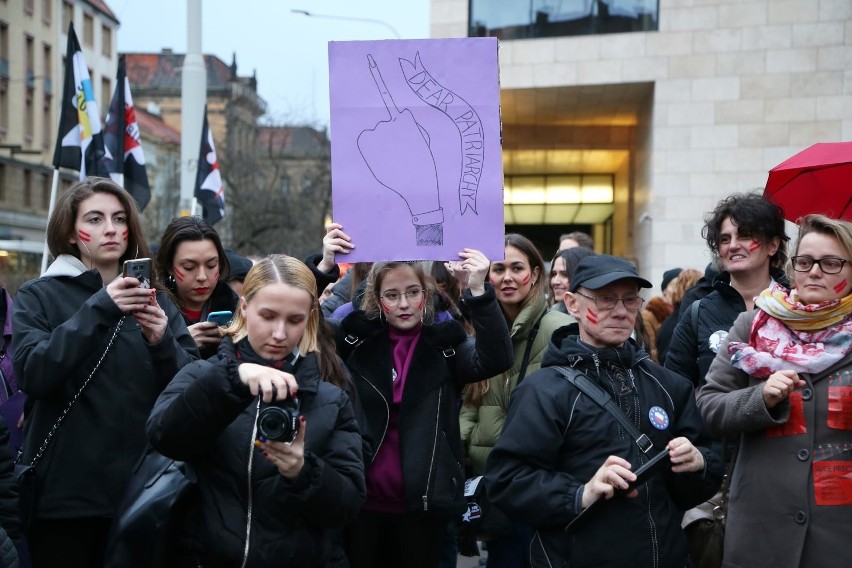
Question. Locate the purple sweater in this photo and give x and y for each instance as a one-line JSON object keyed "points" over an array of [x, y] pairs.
{"points": [[385, 492]]}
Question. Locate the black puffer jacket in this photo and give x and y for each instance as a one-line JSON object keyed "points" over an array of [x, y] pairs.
{"points": [[444, 359], [206, 416], [692, 349], [556, 438], [62, 324]]}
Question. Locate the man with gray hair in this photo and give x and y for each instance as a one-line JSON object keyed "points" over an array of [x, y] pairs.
{"points": [[565, 462]]}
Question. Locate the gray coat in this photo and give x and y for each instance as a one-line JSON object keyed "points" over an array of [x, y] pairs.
{"points": [[773, 517]]}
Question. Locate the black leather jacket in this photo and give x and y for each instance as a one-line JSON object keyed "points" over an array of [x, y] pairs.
{"points": [[445, 358]]}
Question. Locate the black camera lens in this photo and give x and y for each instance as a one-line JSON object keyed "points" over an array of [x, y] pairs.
{"points": [[280, 421]]}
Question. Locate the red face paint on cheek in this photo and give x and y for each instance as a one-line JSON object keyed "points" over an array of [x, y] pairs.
{"points": [[591, 316], [124, 234], [84, 236], [526, 279], [178, 275], [840, 286], [385, 308], [421, 304], [216, 276], [754, 246]]}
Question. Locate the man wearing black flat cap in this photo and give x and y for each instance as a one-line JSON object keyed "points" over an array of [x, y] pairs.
{"points": [[562, 451]]}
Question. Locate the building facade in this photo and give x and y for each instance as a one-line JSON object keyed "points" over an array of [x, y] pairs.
{"points": [[33, 39], [681, 102]]}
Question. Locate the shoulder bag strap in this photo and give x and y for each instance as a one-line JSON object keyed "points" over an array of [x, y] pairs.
{"points": [[602, 399], [62, 416], [526, 360]]}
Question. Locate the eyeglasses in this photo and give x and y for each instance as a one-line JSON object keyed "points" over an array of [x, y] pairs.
{"points": [[828, 264], [631, 303], [393, 297]]}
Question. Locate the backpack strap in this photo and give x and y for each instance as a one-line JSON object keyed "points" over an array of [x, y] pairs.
{"points": [[602, 399], [530, 339]]}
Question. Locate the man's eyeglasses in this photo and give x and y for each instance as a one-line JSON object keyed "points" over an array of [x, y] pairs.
{"points": [[393, 297], [828, 264], [631, 303]]}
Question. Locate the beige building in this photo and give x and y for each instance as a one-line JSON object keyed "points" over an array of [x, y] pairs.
{"points": [[680, 102], [33, 39]]}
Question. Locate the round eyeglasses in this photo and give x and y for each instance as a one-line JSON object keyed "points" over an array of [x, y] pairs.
{"points": [[392, 298], [828, 264]]}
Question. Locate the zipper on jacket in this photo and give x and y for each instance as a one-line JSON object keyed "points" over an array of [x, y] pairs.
{"points": [[387, 422], [434, 451], [250, 493]]}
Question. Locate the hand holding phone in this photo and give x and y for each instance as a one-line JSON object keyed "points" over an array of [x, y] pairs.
{"points": [[139, 268], [649, 469], [220, 318]]}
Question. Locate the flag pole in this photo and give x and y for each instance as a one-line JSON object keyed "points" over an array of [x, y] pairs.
{"points": [[52, 204]]}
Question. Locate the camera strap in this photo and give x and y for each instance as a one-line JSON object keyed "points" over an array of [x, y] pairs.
{"points": [[602, 399], [52, 432]]}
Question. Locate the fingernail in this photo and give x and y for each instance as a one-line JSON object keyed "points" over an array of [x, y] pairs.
{"points": [[262, 438], [302, 419], [293, 392], [257, 443], [265, 454]]}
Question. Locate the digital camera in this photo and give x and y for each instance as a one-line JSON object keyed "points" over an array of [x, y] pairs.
{"points": [[279, 421]]}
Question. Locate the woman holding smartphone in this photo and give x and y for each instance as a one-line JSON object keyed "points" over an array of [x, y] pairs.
{"points": [[266, 499], [81, 315], [195, 266]]}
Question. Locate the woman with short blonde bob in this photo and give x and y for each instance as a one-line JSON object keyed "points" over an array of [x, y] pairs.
{"points": [[298, 488], [782, 383]]}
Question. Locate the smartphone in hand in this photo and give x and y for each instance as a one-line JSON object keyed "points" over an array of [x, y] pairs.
{"points": [[220, 318], [649, 469], [139, 268]]}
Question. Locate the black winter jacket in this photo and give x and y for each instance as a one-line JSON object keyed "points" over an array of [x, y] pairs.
{"points": [[444, 359], [693, 349], [206, 416], [62, 324], [9, 517], [556, 438]]}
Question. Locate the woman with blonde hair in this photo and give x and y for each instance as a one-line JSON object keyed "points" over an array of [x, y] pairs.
{"points": [[781, 383], [275, 444], [407, 370]]}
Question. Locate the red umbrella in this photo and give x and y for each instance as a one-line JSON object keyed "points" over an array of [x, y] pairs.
{"points": [[816, 180]]}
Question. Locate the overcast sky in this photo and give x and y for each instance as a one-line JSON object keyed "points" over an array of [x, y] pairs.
{"points": [[289, 51]]}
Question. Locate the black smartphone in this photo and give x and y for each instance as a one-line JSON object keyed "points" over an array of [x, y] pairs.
{"points": [[650, 468], [139, 268]]}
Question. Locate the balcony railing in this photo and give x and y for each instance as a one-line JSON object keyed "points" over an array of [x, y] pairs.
{"points": [[522, 19]]}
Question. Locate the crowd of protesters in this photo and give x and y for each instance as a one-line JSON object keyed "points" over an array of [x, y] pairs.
{"points": [[328, 421]]}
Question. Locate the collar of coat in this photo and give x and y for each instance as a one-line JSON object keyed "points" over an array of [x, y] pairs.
{"points": [[439, 335]]}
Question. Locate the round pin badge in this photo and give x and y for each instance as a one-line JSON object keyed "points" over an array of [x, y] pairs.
{"points": [[658, 417], [716, 339]]}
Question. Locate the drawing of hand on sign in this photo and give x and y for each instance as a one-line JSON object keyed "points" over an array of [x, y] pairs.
{"points": [[398, 154]]}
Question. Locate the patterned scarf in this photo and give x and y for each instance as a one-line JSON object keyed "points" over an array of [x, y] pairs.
{"points": [[787, 334]]}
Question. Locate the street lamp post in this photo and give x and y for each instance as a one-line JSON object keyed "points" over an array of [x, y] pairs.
{"points": [[350, 18]]}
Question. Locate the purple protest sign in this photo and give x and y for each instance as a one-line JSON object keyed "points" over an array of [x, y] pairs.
{"points": [[416, 164]]}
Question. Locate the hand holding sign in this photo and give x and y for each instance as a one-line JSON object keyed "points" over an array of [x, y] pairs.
{"points": [[398, 155]]}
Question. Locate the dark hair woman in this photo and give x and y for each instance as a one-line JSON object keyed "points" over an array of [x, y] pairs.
{"points": [[407, 371], [79, 316], [780, 384], [195, 266], [519, 282]]}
